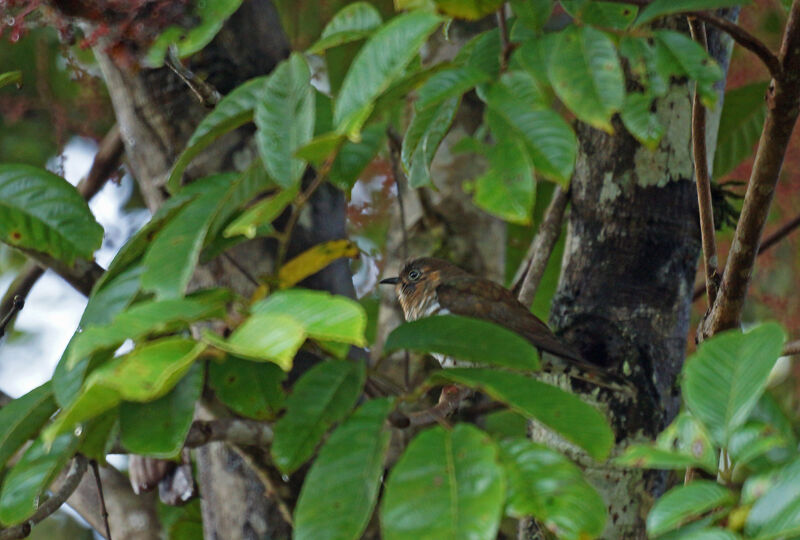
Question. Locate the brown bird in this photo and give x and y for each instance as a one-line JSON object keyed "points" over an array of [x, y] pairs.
{"points": [[428, 286]]}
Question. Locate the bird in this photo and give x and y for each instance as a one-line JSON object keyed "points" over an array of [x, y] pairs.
{"points": [[429, 286]]}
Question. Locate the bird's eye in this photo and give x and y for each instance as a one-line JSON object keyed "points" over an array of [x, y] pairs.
{"points": [[414, 275]]}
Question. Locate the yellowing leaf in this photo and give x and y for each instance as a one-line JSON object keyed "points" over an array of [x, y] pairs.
{"points": [[313, 260]]}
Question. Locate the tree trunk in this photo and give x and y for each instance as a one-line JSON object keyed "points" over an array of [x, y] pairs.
{"points": [[626, 288]]}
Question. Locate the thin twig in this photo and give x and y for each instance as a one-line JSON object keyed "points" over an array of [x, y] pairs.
{"points": [[743, 38], [792, 348], [205, 92], [103, 509], [770, 240], [76, 471], [299, 202], [702, 178], [242, 270], [542, 247], [450, 399], [16, 305], [508, 47]]}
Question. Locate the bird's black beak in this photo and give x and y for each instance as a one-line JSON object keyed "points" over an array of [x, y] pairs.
{"points": [[390, 281]]}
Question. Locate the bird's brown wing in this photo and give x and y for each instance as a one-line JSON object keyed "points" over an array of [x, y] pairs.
{"points": [[487, 300]]}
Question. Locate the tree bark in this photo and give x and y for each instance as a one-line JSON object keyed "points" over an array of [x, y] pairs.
{"points": [[626, 287]]}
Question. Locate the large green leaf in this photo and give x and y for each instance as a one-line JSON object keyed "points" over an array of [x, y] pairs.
{"points": [[32, 475], [682, 503], [145, 318], [560, 411], [353, 157], [447, 485], [776, 514], [42, 212], [158, 428], [263, 337], [381, 61], [422, 139], [144, 374], [22, 418], [353, 22], [532, 13], [235, 109], [688, 436], [640, 120], [252, 389], [285, 119], [322, 396], [659, 8], [753, 440], [174, 252], [449, 83], [10, 77], [586, 74], [260, 215], [678, 55], [323, 316], [548, 138], [544, 484], [467, 339], [612, 15], [100, 435], [212, 14], [652, 457], [341, 488], [104, 303], [743, 115], [723, 380], [507, 189]]}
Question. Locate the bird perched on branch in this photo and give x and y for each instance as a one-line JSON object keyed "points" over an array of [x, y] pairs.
{"points": [[428, 286]]}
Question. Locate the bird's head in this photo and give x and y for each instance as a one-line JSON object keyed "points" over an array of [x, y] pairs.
{"points": [[416, 285]]}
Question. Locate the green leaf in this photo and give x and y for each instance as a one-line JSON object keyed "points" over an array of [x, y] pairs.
{"points": [[313, 260], [682, 503], [641, 56], [22, 418], [659, 8], [146, 318], [263, 337], [723, 380], [353, 157], [341, 488], [260, 215], [468, 9], [40, 211], [532, 13], [381, 61], [586, 75], [482, 53], [353, 22], [99, 436], [158, 428], [235, 109], [561, 411], [144, 374], [544, 484], [776, 514], [699, 530], [251, 389], [32, 475], [687, 436], [11, 77], [466, 339], [548, 138], [449, 83], [171, 259], [322, 396], [104, 303], [323, 316], [446, 485], [743, 115], [604, 14], [422, 139], [641, 121], [677, 55], [753, 440], [285, 120], [651, 457], [212, 15]]}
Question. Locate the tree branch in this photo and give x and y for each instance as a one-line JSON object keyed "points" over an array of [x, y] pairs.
{"points": [[70, 484], [782, 112], [792, 348], [542, 247], [702, 179], [770, 240]]}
